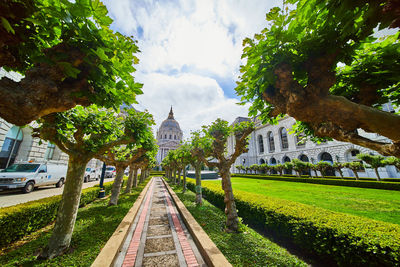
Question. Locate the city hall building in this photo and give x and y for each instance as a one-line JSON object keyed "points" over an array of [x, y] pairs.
{"points": [[273, 144]]}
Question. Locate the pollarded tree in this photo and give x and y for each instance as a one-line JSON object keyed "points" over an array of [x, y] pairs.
{"points": [[143, 160], [323, 166], [338, 167], [253, 168], [84, 133], [279, 168], [321, 65], [198, 144], [288, 166], [355, 166], [299, 166], [375, 161], [184, 157], [68, 56], [313, 167], [215, 156]]}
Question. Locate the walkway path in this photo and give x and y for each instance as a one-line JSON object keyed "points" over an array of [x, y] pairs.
{"points": [[158, 236]]}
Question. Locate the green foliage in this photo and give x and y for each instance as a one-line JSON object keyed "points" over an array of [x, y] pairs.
{"points": [[247, 248], [375, 161], [91, 129], [354, 165], [346, 239], [308, 30], [22, 219], [49, 31], [393, 161], [95, 224]]}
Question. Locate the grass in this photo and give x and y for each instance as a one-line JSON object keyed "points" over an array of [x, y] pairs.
{"points": [[242, 249], [94, 226], [382, 205]]}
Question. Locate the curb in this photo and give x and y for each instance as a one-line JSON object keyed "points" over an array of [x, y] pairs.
{"points": [[211, 254], [111, 249]]}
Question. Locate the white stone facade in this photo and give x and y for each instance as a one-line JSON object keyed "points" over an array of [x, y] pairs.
{"points": [[169, 137], [263, 152]]}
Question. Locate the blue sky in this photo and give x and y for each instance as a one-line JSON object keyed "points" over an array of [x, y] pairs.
{"points": [[190, 54]]}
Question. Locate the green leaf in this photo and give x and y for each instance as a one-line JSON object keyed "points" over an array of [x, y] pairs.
{"points": [[7, 25]]}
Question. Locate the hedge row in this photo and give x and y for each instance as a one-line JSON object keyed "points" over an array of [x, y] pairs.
{"points": [[351, 183], [349, 240], [326, 177], [22, 219]]}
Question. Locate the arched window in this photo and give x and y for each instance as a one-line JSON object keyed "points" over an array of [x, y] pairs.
{"points": [[262, 161], [272, 161], [326, 157], [284, 138], [260, 144], [303, 158], [170, 136], [165, 137], [174, 137], [271, 143], [286, 159]]}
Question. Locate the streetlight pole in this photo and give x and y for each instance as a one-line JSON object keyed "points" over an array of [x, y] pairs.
{"points": [[102, 193]]}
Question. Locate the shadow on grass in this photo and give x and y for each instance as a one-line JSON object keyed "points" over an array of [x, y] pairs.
{"points": [[94, 226]]}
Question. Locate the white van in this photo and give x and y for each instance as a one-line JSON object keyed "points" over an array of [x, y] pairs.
{"points": [[91, 174], [28, 175]]}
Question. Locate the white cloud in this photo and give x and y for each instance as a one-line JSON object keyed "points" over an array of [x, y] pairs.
{"points": [[196, 100], [187, 47]]}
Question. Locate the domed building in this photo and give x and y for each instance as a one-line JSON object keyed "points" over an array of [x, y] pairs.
{"points": [[169, 136]]}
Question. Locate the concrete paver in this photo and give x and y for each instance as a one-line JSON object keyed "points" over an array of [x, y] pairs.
{"points": [[158, 236]]}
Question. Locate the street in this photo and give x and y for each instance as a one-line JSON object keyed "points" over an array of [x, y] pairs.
{"points": [[14, 197]]}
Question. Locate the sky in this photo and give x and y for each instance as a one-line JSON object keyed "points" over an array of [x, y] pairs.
{"points": [[190, 54]]}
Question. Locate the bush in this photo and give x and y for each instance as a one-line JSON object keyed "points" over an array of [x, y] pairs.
{"points": [[386, 185], [349, 240], [22, 219]]}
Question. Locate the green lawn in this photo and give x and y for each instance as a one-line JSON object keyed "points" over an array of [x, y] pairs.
{"points": [[383, 205], [243, 249], [94, 225]]}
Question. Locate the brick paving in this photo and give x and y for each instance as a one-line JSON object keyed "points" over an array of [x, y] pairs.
{"points": [[160, 237]]}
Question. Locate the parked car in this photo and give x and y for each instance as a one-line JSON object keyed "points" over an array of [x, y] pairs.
{"points": [[28, 175], [110, 172], [91, 174]]}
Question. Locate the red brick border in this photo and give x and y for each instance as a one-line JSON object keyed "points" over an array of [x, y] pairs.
{"points": [[190, 258], [130, 256]]}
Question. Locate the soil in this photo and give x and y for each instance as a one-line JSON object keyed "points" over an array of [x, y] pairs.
{"points": [[158, 221], [165, 260], [159, 230], [159, 244]]}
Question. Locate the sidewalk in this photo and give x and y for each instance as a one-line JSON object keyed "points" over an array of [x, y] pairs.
{"points": [[154, 234]]}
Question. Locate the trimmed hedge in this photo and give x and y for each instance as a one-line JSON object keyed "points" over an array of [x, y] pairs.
{"points": [[352, 183], [22, 219], [155, 173], [326, 177], [347, 239]]}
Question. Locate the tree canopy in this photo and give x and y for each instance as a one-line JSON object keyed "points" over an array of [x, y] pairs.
{"points": [[67, 55], [320, 63]]}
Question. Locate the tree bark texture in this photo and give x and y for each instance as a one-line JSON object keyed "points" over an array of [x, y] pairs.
{"points": [[199, 197], [378, 177], [135, 178], [179, 177], [129, 182], [184, 181], [330, 115], [44, 89], [174, 176], [232, 221], [66, 216], [116, 188]]}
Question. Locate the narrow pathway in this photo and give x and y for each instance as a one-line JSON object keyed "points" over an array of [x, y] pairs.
{"points": [[158, 236]]}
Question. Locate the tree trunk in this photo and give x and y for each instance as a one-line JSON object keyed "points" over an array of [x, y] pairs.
{"points": [[130, 181], [116, 188], [232, 220], [174, 176], [378, 177], [68, 209], [135, 177], [184, 181], [356, 174], [316, 173], [179, 177], [341, 173], [322, 173], [199, 197]]}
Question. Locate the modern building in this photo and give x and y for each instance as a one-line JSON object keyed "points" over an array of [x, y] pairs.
{"points": [[274, 144], [169, 136]]}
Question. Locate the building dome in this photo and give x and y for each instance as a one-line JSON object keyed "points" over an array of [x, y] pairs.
{"points": [[170, 123]]}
